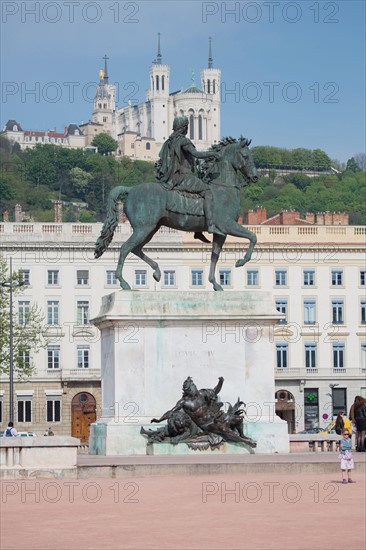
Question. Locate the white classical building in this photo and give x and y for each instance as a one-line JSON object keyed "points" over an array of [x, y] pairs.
{"points": [[140, 129], [316, 275]]}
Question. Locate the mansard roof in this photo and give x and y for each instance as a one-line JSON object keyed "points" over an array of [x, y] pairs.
{"points": [[10, 125], [72, 128]]}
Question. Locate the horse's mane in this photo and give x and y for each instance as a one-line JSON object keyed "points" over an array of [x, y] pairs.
{"points": [[208, 166]]}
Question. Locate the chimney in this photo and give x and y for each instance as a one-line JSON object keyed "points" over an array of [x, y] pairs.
{"points": [[340, 218], [18, 214], [289, 217], [310, 217], [262, 214], [57, 211], [328, 218], [320, 218], [5, 216]]}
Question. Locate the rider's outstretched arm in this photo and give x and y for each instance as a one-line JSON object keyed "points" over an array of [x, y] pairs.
{"points": [[199, 154]]}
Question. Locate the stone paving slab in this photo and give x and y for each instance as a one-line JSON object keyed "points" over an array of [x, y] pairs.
{"points": [[247, 512]]}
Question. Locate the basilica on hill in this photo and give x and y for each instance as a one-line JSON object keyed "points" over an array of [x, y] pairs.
{"points": [[140, 129]]}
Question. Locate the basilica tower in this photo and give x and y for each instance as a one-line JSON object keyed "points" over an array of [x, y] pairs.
{"points": [[105, 102], [158, 95], [211, 85]]}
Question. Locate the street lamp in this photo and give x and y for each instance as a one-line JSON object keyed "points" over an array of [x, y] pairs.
{"points": [[10, 284]]}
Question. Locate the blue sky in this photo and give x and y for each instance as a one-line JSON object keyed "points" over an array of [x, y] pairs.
{"points": [[297, 68]]}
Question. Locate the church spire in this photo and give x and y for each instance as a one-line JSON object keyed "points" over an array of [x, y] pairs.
{"points": [[210, 60], [159, 57], [105, 70]]}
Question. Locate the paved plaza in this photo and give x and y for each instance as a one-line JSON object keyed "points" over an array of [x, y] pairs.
{"points": [[247, 512]]}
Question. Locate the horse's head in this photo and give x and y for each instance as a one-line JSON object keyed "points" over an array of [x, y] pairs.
{"points": [[244, 162], [232, 153]]}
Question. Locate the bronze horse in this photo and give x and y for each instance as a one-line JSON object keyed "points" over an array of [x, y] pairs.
{"points": [[146, 206]]}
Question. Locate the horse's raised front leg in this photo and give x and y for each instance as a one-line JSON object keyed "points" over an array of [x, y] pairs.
{"points": [[138, 236], [239, 231], [140, 254], [217, 244]]}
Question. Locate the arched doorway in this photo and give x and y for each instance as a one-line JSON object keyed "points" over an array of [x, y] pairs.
{"points": [[285, 408], [83, 413]]}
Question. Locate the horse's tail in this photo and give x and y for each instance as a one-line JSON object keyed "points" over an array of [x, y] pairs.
{"points": [[111, 221]]}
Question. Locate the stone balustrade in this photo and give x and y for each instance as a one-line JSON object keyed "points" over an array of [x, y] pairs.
{"points": [[22, 457], [318, 443]]}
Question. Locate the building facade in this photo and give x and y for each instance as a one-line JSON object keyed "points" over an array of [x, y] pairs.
{"points": [[316, 275]]}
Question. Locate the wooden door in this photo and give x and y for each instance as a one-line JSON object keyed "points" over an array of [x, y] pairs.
{"points": [[83, 413]]}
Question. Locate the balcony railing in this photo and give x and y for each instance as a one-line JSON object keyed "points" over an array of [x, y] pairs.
{"points": [[328, 372], [81, 374]]}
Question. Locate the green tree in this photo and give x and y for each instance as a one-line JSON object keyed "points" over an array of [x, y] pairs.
{"points": [[80, 179], [105, 143], [352, 166], [320, 160], [29, 337]]}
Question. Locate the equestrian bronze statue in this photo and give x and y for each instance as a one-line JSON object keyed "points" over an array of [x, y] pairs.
{"points": [[180, 199]]}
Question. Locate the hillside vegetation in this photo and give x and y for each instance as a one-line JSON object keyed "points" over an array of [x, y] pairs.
{"points": [[83, 179]]}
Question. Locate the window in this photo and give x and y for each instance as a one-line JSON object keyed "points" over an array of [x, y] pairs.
{"points": [[197, 277], [169, 278], [52, 277], [53, 357], [191, 126], [208, 86], [24, 357], [82, 313], [362, 277], [157, 82], [53, 410], [24, 410], [338, 355], [25, 276], [111, 278], [310, 355], [309, 277], [105, 119], [53, 312], [148, 146], [281, 306], [252, 277], [281, 355], [363, 311], [83, 357], [337, 312], [104, 105], [339, 399], [140, 277], [23, 312], [200, 132], [225, 277], [163, 82], [82, 277], [309, 312], [337, 277], [281, 277], [363, 356]]}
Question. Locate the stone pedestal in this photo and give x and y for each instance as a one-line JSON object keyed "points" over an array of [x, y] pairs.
{"points": [[151, 342]]}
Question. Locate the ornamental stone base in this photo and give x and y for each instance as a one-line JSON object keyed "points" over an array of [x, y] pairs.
{"points": [[152, 341]]}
